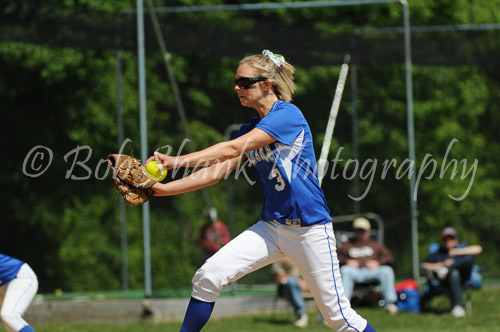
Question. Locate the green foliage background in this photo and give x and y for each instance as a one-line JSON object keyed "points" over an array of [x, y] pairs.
{"points": [[65, 222]]}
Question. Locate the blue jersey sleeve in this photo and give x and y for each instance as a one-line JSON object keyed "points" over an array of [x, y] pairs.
{"points": [[284, 122]]}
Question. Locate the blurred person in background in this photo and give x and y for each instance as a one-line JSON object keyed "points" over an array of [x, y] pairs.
{"points": [[452, 265], [364, 260], [214, 234], [292, 285]]}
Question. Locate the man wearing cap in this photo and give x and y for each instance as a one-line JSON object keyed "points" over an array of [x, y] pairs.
{"points": [[451, 264], [365, 260]]}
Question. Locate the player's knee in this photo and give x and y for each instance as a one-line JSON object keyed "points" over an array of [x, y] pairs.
{"points": [[208, 282], [10, 320]]}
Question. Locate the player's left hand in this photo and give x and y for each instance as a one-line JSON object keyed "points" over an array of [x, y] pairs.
{"points": [[130, 178]]}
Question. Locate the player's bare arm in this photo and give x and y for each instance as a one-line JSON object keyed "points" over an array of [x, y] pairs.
{"points": [[217, 153], [200, 179]]}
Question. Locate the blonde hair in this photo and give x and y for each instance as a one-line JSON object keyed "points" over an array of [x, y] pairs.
{"points": [[281, 77]]}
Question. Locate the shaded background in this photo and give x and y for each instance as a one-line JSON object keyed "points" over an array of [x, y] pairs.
{"points": [[58, 92]]}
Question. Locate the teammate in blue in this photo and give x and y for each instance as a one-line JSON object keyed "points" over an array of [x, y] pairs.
{"points": [[18, 287], [295, 221]]}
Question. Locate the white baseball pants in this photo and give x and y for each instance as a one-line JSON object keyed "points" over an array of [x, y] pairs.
{"points": [[313, 251], [16, 297]]}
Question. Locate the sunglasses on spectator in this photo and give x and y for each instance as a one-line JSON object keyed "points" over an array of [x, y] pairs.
{"points": [[247, 82], [449, 238]]}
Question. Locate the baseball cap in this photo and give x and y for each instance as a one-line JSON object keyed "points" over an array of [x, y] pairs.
{"points": [[449, 232], [361, 223]]}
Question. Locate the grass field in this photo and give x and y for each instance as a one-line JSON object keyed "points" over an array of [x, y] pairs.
{"points": [[485, 317]]}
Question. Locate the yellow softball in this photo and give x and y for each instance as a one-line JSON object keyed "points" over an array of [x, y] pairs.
{"points": [[153, 171]]}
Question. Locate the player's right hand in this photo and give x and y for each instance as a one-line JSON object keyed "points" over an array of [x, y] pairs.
{"points": [[167, 162]]}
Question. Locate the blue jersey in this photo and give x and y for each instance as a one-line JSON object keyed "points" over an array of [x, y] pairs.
{"points": [[286, 169], [9, 267]]}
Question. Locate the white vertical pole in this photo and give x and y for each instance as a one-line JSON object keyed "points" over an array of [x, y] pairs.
{"points": [[144, 141], [119, 103], [411, 139]]}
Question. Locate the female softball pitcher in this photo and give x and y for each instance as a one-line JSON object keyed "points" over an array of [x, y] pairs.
{"points": [[295, 221], [18, 287]]}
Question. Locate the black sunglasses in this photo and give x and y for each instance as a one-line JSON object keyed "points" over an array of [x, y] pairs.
{"points": [[246, 82]]}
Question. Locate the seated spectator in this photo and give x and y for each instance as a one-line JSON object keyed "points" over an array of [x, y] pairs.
{"points": [[451, 264], [364, 260], [292, 284]]}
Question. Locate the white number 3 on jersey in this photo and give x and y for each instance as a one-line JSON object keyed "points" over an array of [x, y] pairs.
{"points": [[281, 183]]}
